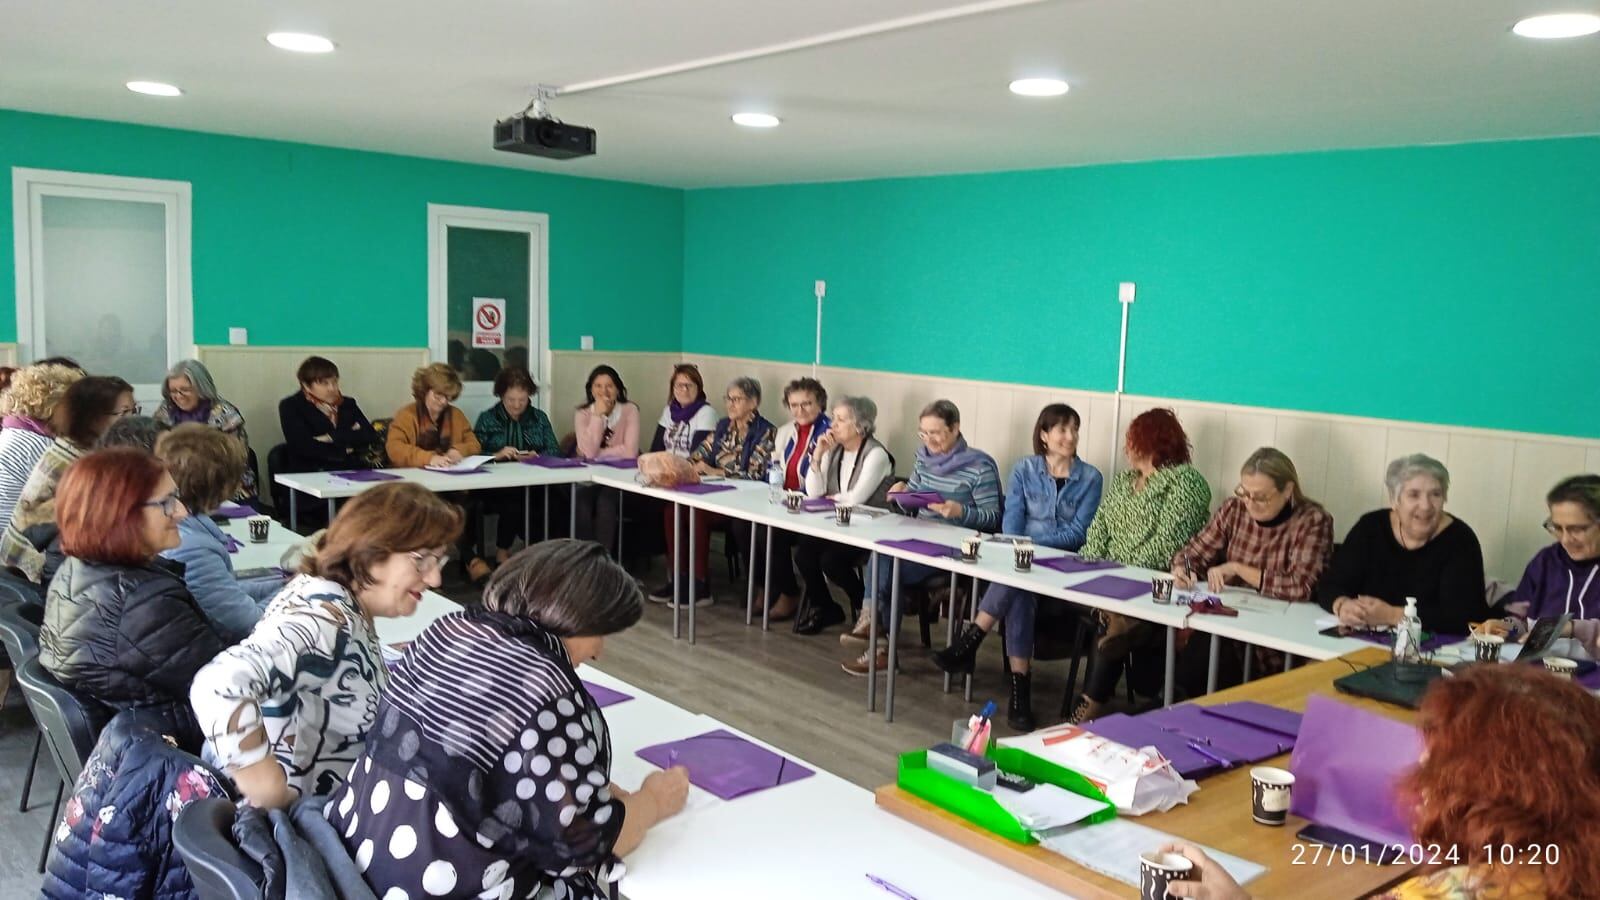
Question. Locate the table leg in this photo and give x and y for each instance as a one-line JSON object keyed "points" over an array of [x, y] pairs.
{"points": [[692, 597], [621, 495], [950, 624], [527, 516], [572, 514], [677, 570], [333, 506], [545, 493], [294, 511], [766, 583], [872, 633], [1167, 696], [1288, 661], [750, 580], [1249, 653], [894, 635], [1211, 667], [971, 613]]}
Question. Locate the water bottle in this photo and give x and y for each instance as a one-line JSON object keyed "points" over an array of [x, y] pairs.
{"points": [[1408, 635], [774, 483]]}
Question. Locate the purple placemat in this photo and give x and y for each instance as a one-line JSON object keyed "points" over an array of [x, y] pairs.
{"points": [[1347, 766], [916, 499], [1072, 564], [1235, 742], [614, 463], [1260, 715], [926, 548], [702, 488], [1137, 733], [604, 696], [553, 462], [1113, 587], [726, 764], [365, 475], [820, 504], [1386, 639], [230, 510]]}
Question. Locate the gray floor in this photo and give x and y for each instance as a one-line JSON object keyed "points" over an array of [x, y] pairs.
{"points": [[786, 689]]}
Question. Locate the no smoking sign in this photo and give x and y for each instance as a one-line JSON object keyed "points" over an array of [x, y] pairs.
{"points": [[488, 322]]}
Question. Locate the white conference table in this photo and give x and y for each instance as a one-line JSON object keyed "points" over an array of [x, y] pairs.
{"points": [[817, 837], [332, 488]]}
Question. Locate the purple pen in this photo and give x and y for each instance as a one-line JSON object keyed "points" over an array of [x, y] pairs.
{"points": [[1200, 748], [889, 887]]}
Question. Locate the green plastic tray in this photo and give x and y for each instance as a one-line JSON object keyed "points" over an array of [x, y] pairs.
{"points": [[978, 806]]}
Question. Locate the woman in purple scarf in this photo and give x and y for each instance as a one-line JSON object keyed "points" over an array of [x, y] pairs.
{"points": [[189, 395]]}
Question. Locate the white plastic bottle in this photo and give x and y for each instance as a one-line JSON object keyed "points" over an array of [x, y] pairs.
{"points": [[774, 482], [1408, 635]]}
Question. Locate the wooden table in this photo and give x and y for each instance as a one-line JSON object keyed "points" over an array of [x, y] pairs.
{"points": [[1217, 815]]}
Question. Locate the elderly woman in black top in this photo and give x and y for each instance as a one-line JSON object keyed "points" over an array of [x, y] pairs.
{"points": [[488, 773], [323, 430]]}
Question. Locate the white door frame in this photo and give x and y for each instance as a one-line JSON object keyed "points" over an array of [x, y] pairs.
{"points": [[29, 187], [537, 227]]}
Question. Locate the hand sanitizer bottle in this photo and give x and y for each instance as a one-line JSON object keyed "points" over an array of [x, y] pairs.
{"points": [[1408, 635]]}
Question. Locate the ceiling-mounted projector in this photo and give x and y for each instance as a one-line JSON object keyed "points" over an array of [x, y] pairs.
{"points": [[535, 132]]}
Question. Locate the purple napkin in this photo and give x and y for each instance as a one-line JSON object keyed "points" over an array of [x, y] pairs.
{"points": [[916, 499], [702, 488], [1346, 766], [1072, 564], [553, 462], [926, 548], [229, 510], [232, 543], [1260, 715], [604, 696], [1234, 741], [614, 463], [820, 504], [725, 764], [1113, 587], [365, 475], [1386, 639], [1138, 733]]}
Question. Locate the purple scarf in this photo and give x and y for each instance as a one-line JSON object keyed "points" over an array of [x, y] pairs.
{"points": [[26, 423], [957, 457], [201, 413], [681, 414]]}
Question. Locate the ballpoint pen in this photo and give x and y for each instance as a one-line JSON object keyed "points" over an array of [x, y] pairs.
{"points": [[889, 887]]}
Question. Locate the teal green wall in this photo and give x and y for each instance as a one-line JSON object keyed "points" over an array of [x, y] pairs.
{"points": [[1456, 285], [313, 245]]}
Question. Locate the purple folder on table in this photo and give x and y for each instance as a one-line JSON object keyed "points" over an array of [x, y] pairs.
{"points": [[926, 548], [820, 504], [1272, 718], [1386, 639], [365, 475], [614, 463], [1589, 679], [232, 543], [1235, 742], [726, 764], [1072, 564], [702, 488], [553, 462], [230, 510], [916, 499], [1113, 587], [1346, 767], [1136, 732], [604, 696]]}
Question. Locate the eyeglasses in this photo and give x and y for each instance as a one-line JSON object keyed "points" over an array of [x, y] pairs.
{"points": [[427, 563], [169, 505], [736, 398], [1248, 497], [1557, 531], [133, 410], [926, 435]]}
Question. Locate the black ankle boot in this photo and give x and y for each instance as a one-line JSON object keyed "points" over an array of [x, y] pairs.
{"points": [[958, 658], [1019, 713]]}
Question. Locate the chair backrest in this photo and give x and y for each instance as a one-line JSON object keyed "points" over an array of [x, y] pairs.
{"points": [[69, 723], [21, 588], [204, 836], [19, 629]]}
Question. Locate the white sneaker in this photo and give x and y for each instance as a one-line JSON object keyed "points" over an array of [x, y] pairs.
{"points": [[862, 630]]}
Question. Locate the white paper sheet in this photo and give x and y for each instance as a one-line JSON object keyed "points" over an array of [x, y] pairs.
{"points": [[1113, 848], [469, 464], [1047, 806]]}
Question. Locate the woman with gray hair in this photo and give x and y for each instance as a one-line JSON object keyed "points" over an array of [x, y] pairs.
{"points": [[1412, 549], [490, 764], [850, 467], [190, 395]]}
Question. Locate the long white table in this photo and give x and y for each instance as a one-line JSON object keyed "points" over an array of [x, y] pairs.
{"points": [[332, 488]]}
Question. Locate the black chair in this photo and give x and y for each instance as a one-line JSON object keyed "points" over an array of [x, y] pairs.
{"points": [[19, 633], [277, 464], [70, 725], [203, 835]]}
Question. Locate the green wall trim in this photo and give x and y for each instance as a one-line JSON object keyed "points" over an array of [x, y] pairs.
{"points": [[1452, 284], [304, 244]]}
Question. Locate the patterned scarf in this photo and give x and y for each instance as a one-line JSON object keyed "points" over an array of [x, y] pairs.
{"points": [[430, 432], [331, 410]]}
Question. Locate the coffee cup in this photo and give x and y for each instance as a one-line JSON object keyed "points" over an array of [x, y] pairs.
{"points": [[841, 513], [1023, 552], [1157, 870], [1560, 667], [1270, 789], [1487, 647], [1161, 588], [259, 527], [969, 547], [792, 501]]}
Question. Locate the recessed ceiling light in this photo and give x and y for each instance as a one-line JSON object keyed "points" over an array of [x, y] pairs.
{"points": [[154, 88], [1039, 87], [1558, 25], [300, 43], [755, 120]]}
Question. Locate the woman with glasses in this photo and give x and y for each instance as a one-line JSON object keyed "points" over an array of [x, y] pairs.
{"points": [[190, 395], [1411, 549], [685, 421], [1561, 578], [287, 710], [119, 626], [1268, 537], [432, 432], [792, 448], [207, 465], [89, 407]]}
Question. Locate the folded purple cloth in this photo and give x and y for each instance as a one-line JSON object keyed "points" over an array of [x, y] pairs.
{"points": [[604, 696], [1113, 587], [702, 488], [365, 475], [229, 510], [726, 764], [820, 504], [553, 462], [916, 499], [1072, 564], [926, 548]]}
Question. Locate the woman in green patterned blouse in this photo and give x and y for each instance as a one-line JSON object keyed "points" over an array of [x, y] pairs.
{"points": [[1149, 511], [511, 430]]}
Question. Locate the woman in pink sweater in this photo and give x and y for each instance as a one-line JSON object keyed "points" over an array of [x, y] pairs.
{"points": [[607, 427]]}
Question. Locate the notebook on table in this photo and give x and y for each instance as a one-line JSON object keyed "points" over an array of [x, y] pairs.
{"points": [[725, 764], [553, 462], [926, 548], [1071, 564]]}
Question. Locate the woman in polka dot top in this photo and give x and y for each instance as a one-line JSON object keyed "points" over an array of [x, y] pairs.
{"points": [[488, 771]]}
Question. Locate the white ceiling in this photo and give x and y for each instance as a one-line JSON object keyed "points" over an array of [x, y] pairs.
{"points": [[1151, 79]]}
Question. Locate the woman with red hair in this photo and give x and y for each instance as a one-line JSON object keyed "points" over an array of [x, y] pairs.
{"points": [[1150, 510], [119, 626], [1508, 836]]}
